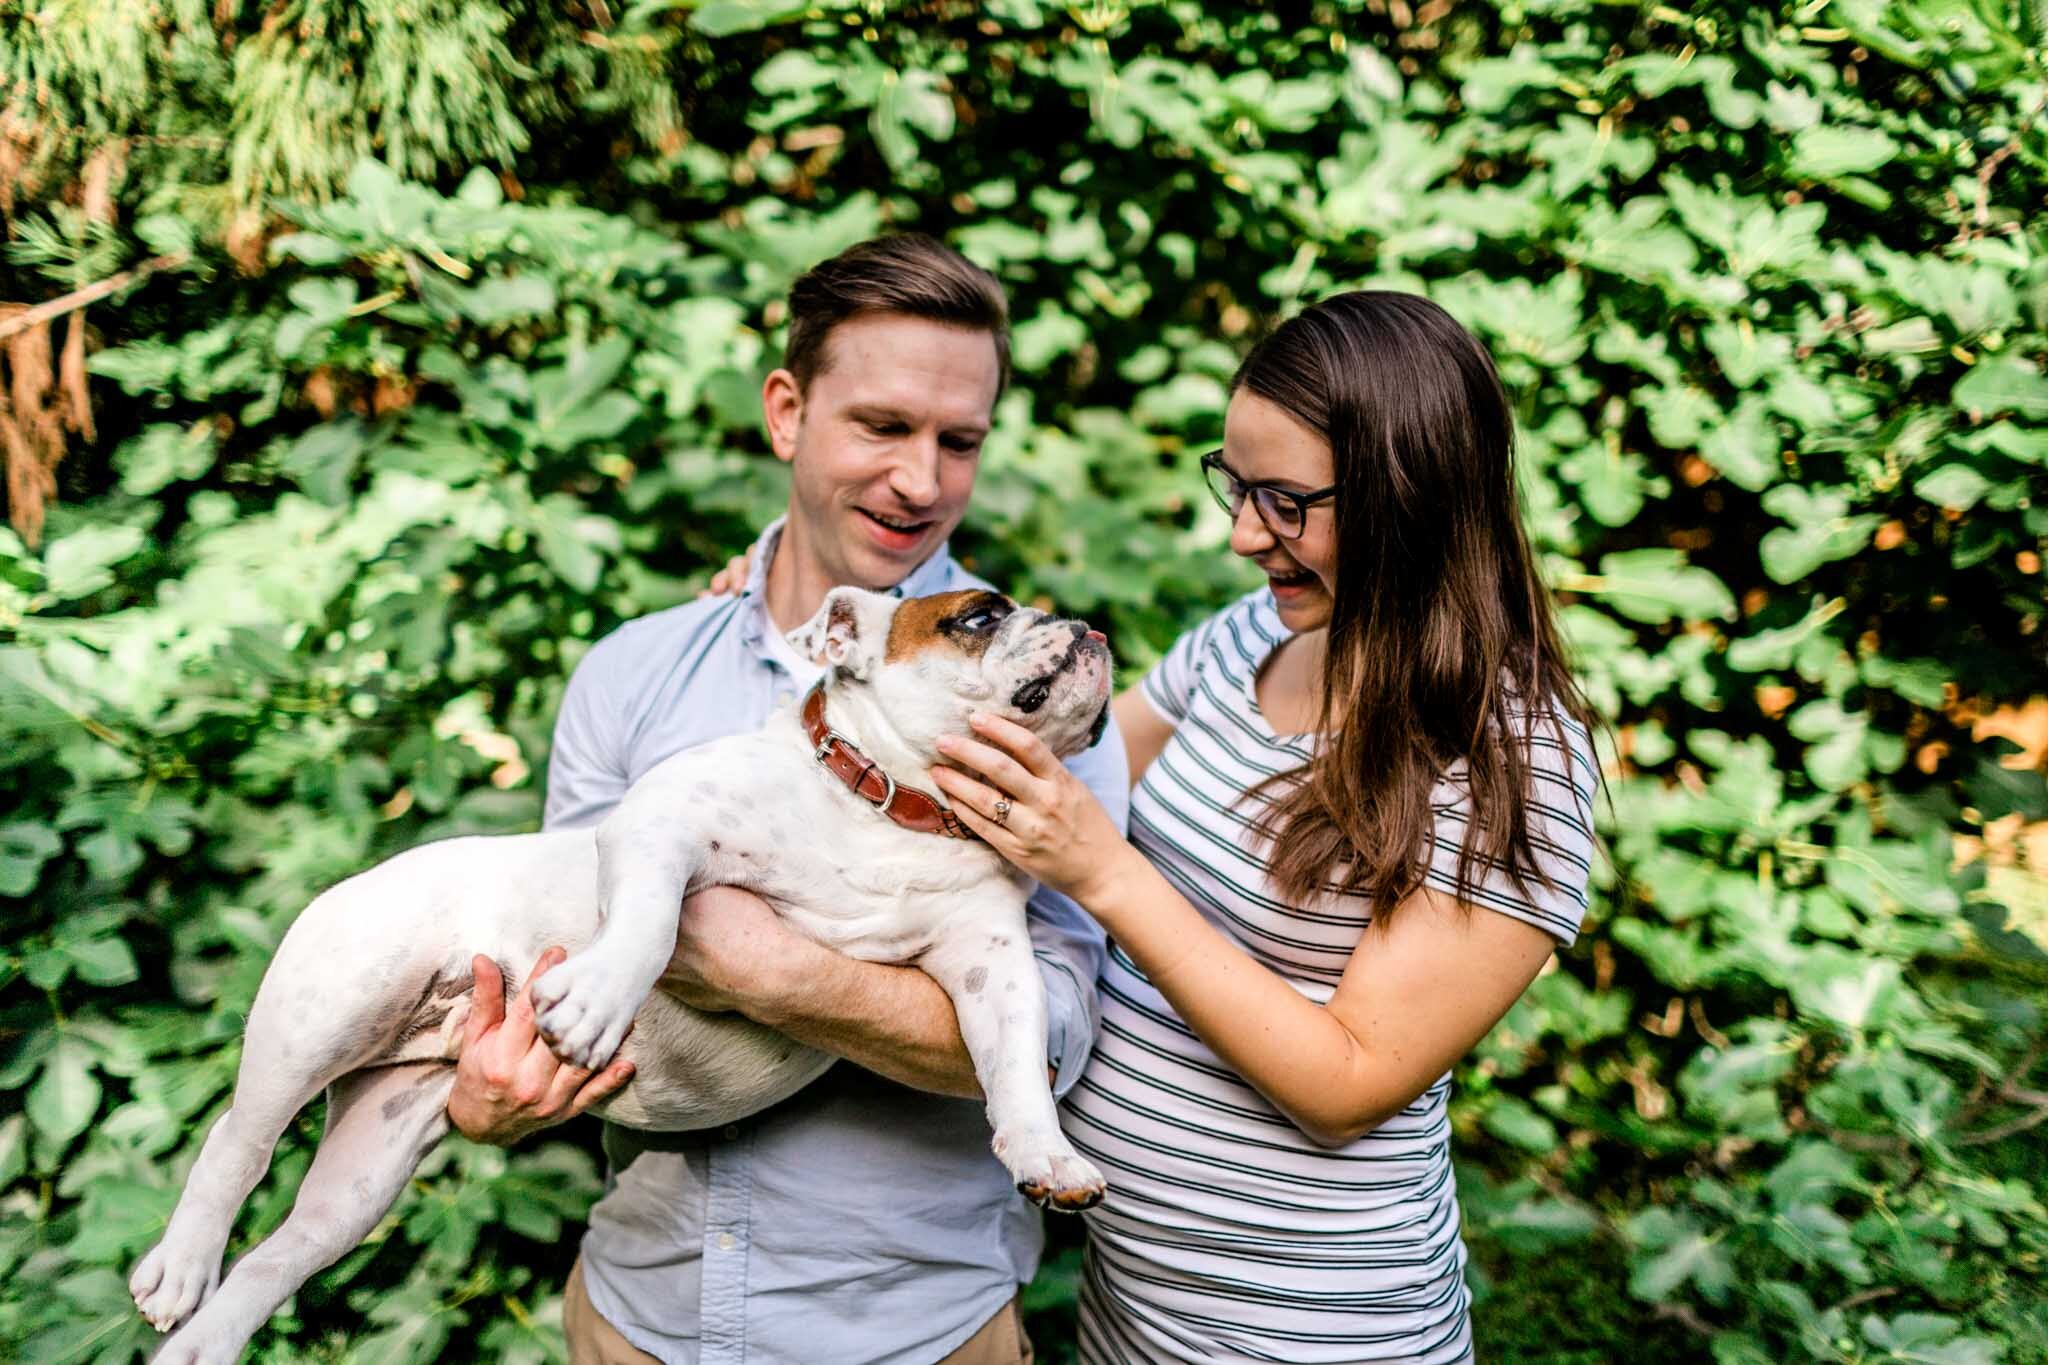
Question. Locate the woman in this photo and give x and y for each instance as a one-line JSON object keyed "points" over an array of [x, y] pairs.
{"points": [[1361, 822]]}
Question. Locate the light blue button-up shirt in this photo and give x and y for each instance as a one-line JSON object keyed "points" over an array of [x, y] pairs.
{"points": [[860, 1220]]}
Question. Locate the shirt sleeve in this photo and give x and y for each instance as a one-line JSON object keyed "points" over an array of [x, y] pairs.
{"points": [[1564, 782], [587, 773], [1067, 940], [1170, 686]]}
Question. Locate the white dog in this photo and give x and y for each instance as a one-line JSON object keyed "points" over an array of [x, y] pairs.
{"points": [[368, 993]]}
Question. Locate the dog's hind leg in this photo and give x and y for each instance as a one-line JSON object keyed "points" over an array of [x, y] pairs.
{"points": [[379, 1124], [183, 1268]]}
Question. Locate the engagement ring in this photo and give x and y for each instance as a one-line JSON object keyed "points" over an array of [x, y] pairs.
{"points": [[1002, 809]]}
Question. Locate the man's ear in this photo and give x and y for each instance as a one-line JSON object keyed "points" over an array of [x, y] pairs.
{"points": [[782, 412], [850, 632]]}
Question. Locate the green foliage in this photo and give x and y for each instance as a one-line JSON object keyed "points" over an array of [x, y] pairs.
{"points": [[1764, 283]]}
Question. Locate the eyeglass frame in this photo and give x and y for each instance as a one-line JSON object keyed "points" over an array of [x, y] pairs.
{"points": [[1302, 501]]}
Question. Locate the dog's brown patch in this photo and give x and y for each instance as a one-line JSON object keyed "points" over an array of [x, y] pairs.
{"points": [[924, 622]]}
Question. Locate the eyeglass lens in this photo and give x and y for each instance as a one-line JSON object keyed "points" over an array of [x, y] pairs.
{"points": [[1280, 513]]}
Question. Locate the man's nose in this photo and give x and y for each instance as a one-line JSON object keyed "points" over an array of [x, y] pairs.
{"points": [[915, 475], [1249, 534]]}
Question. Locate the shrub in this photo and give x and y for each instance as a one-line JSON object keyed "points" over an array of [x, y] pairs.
{"points": [[378, 457]]}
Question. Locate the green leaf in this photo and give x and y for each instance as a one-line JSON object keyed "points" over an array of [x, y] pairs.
{"points": [[24, 847], [794, 71], [1657, 585], [723, 18], [1513, 1120], [13, 1149], [323, 460], [1827, 151], [2003, 383], [66, 1096], [1745, 447], [83, 562], [507, 298], [1952, 485], [1846, 989], [1674, 1251], [165, 453]]}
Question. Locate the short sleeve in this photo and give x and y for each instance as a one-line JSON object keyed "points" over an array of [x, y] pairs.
{"points": [[1170, 686], [1564, 781]]}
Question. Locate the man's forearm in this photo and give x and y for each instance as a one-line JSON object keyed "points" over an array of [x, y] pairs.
{"points": [[895, 1021]]}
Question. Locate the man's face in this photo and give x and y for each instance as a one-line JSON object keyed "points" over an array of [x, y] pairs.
{"points": [[883, 448]]}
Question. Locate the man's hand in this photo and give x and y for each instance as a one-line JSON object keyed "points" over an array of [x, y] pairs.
{"points": [[507, 1083], [733, 952]]}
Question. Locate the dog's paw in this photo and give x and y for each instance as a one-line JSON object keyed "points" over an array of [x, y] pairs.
{"points": [[583, 1008], [168, 1285], [197, 1348], [1050, 1172]]}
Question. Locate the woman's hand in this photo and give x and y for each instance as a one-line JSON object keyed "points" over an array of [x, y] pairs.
{"points": [[1052, 827], [731, 580]]}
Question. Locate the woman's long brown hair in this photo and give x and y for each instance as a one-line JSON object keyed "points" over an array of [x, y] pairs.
{"points": [[1441, 640]]}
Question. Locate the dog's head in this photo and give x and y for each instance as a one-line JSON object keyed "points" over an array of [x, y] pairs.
{"points": [[931, 661]]}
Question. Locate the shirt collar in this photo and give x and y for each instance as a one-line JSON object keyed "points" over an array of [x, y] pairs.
{"points": [[934, 575]]}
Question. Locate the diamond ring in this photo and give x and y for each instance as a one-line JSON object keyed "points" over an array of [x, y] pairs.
{"points": [[1002, 809]]}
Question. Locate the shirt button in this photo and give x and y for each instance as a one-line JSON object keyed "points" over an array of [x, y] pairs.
{"points": [[732, 1130], [726, 1242]]}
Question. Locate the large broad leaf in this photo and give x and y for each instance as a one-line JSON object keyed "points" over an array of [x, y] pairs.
{"points": [[24, 848], [2004, 383], [83, 562], [1745, 447], [1657, 585], [1826, 151], [1676, 1250], [323, 461], [723, 18], [67, 1094]]}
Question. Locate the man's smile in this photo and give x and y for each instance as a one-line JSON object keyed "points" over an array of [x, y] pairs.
{"points": [[894, 533]]}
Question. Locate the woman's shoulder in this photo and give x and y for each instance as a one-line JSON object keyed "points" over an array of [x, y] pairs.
{"points": [[1228, 643], [1241, 633], [1558, 743]]}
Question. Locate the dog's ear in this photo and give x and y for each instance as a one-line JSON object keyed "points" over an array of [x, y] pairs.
{"points": [[849, 633]]}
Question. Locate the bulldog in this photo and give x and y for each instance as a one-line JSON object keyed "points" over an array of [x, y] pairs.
{"points": [[368, 993]]}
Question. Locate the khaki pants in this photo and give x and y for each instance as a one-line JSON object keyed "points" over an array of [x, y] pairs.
{"points": [[593, 1341]]}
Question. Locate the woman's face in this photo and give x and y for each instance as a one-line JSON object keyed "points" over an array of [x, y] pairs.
{"points": [[1264, 443]]}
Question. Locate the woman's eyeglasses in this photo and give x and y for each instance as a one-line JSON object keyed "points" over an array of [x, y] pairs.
{"points": [[1284, 511]]}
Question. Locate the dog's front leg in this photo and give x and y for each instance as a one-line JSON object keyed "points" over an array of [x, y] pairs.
{"points": [[999, 999], [646, 851]]}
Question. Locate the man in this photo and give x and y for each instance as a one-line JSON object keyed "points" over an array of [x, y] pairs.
{"points": [[863, 1220]]}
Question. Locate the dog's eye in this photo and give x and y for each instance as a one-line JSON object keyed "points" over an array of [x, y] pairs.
{"points": [[981, 618]]}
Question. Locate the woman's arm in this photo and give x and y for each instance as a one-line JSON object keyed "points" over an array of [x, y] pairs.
{"points": [[1418, 993], [1145, 731]]}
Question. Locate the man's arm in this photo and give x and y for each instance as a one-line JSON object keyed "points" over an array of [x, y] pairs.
{"points": [[508, 1082], [734, 953]]}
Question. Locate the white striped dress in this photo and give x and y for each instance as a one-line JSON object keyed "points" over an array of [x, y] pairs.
{"points": [[1228, 1235]]}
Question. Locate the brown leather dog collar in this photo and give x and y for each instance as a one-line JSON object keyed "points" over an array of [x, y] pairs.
{"points": [[907, 806]]}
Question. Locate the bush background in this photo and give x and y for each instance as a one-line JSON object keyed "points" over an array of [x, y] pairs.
{"points": [[440, 357]]}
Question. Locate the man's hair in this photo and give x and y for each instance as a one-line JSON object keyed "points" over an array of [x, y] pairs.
{"points": [[907, 273]]}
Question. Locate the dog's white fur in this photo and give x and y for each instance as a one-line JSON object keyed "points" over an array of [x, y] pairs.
{"points": [[369, 992]]}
